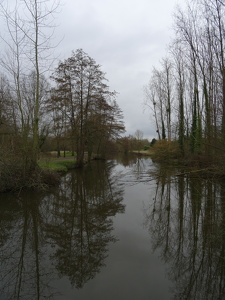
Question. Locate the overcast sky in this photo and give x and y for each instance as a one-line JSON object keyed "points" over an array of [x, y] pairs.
{"points": [[127, 38]]}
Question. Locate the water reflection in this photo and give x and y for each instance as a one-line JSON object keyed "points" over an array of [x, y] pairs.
{"points": [[139, 169], [63, 233], [187, 225], [81, 228], [47, 240], [23, 249]]}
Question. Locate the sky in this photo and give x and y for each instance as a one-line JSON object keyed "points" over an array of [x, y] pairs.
{"points": [[127, 38]]}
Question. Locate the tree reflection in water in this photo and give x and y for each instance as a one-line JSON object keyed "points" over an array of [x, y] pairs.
{"points": [[187, 225], [81, 226], [75, 220], [23, 249], [66, 233]]}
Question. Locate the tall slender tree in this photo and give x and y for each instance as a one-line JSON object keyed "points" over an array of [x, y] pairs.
{"points": [[30, 27]]}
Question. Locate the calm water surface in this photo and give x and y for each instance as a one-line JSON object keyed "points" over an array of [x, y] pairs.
{"points": [[121, 229]]}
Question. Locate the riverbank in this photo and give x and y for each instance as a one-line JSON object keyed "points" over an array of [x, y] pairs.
{"points": [[197, 165], [14, 177], [57, 165]]}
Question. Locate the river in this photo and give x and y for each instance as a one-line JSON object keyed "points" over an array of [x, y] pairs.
{"points": [[125, 228]]}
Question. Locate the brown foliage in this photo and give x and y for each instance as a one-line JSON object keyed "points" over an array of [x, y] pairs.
{"points": [[164, 151]]}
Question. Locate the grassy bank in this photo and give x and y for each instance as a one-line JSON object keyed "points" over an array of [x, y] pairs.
{"points": [[57, 165], [50, 161], [144, 152], [167, 152], [15, 176]]}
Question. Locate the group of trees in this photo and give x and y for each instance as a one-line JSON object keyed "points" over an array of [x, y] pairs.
{"points": [[134, 142], [82, 107], [187, 93], [73, 106], [24, 55]]}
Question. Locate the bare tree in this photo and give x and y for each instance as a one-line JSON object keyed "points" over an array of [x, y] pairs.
{"points": [[167, 72], [139, 138], [91, 111], [179, 63], [30, 28], [150, 103]]}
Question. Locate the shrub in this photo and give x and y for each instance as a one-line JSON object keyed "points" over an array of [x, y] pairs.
{"points": [[164, 150], [146, 147], [14, 176]]}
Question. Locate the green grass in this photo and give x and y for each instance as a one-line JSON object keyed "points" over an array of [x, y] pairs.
{"points": [[57, 165], [67, 153]]}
